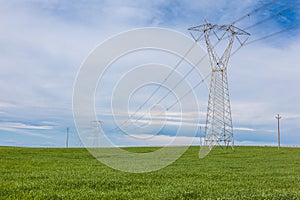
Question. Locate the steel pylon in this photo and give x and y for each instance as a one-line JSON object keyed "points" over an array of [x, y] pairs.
{"points": [[219, 128]]}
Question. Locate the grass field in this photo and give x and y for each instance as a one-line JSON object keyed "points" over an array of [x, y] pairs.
{"points": [[247, 173]]}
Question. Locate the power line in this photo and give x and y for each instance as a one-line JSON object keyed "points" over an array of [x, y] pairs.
{"points": [[180, 98], [275, 15], [271, 34], [264, 20], [266, 37], [199, 83], [188, 92], [254, 11], [186, 75], [196, 40], [274, 34], [161, 84], [178, 83], [279, 13]]}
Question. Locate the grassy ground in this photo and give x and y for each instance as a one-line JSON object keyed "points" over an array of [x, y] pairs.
{"points": [[247, 173]]}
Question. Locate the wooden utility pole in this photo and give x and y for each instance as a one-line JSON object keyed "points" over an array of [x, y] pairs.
{"points": [[278, 117], [67, 139]]}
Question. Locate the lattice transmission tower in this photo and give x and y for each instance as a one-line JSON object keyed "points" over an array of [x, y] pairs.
{"points": [[219, 129]]}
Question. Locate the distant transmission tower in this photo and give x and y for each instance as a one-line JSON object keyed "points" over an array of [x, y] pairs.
{"points": [[97, 128], [219, 129]]}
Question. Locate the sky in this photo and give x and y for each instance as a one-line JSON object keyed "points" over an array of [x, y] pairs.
{"points": [[44, 43]]}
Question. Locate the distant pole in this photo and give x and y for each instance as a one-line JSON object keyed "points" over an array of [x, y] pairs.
{"points": [[278, 117], [67, 139], [200, 135], [97, 127]]}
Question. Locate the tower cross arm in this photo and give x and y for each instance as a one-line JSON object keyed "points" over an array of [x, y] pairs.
{"points": [[233, 29]]}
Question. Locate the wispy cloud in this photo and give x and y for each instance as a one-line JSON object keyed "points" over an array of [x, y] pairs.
{"points": [[243, 129], [25, 129], [6, 105], [43, 44], [155, 140], [5, 125]]}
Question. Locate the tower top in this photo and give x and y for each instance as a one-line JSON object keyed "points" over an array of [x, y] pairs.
{"points": [[212, 32], [215, 27]]}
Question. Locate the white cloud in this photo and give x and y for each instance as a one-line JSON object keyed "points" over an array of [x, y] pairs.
{"points": [[25, 132], [254, 143], [156, 140], [289, 116], [6, 105], [44, 43], [264, 81], [243, 129], [16, 125]]}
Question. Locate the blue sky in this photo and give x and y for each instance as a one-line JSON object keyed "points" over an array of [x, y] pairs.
{"points": [[43, 44]]}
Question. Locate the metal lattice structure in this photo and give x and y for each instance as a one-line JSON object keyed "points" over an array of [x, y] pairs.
{"points": [[219, 128]]}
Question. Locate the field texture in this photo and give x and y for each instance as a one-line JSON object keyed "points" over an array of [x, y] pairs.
{"points": [[247, 173]]}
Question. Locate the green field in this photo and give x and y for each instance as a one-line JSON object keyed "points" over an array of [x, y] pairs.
{"points": [[247, 173]]}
